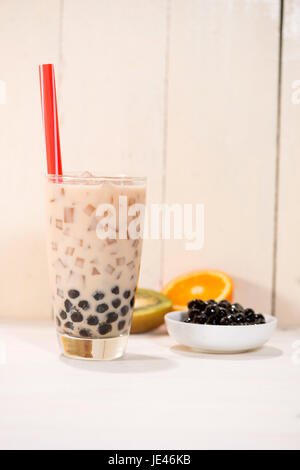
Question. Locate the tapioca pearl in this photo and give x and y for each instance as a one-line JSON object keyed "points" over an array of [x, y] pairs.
{"points": [[84, 305], [58, 322], [85, 333], [76, 317], [124, 310], [112, 317], [92, 320], [73, 293], [132, 302], [115, 290], [68, 305], [69, 325], [126, 294], [101, 308], [121, 324], [104, 328], [116, 303], [63, 315], [98, 295]]}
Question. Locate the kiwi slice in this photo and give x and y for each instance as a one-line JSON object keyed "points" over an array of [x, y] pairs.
{"points": [[149, 310]]}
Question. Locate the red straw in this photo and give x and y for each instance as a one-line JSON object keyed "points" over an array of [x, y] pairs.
{"points": [[50, 120]]}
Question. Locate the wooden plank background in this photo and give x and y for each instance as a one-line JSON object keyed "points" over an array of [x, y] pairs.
{"points": [[221, 137], [287, 305], [183, 91]]}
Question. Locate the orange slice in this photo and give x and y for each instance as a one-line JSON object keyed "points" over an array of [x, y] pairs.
{"points": [[203, 285]]}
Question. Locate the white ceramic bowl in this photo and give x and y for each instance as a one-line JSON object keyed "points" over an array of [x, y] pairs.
{"points": [[219, 339]]}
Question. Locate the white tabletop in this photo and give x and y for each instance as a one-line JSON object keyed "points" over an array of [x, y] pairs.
{"points": [[160, 396]]}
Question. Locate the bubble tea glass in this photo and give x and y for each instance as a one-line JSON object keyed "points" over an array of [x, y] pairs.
{"points": [[93, 277]]}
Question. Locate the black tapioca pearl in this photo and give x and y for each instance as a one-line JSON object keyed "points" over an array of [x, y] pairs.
{"points": [[259, 318], [116, 303], [63, 315], [85, 333], [98, 295], [196, 304], [69, 325], [58, 322], [84, 305], [92, 320], [225, 304], [104, 328], [111, 317], [73, 293], [132, 302], [115, 290], [121, 324], [101, 308], [126, 294], [76, 317], [68, 305], [124, 310]]}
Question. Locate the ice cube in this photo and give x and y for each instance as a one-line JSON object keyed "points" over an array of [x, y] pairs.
{"points": [[69, 215], [67, 232], [59, 224], [60, 293], [62, 191], [54, 246], [59, 263], [130, 265], [70, 251], [121, 261], [109, 269], [79, 262], [95, 271], [76, 279], [89, 209], [110, 241], [135, 243], [118, 275]]}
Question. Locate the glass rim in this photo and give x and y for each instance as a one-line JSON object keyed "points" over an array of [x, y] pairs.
{"points": [[77, 177]]}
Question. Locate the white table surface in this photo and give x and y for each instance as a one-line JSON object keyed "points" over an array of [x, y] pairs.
{"points": [[160, 396]]}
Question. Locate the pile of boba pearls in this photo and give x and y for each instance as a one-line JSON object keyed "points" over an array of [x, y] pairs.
{"points": [[222, 313]]}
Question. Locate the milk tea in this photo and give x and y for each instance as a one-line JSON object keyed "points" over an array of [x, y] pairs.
{"points": [[93, 280]]}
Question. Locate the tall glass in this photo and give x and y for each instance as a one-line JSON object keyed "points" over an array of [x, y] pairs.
{"points": [[94, 251]]}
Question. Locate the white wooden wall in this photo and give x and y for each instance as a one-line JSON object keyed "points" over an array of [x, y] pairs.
{"points": [[288, 251], [183, 91]]}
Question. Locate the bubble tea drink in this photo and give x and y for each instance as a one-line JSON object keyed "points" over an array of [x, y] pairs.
{"points": [[94, 250]]}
